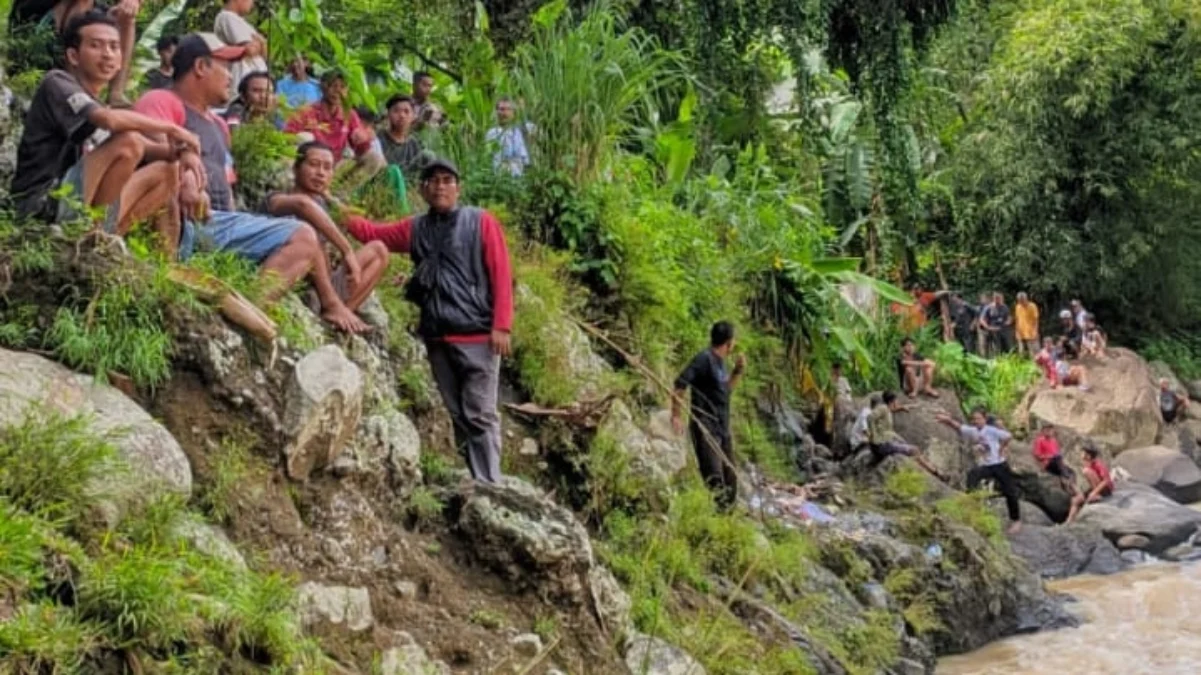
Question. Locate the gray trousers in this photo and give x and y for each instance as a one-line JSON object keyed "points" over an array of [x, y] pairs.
{"points": [[468, 376]]}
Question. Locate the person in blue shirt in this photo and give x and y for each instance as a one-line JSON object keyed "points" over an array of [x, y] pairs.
{"points": [[297, 88]]}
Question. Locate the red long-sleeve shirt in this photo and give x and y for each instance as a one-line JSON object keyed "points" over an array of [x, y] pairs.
{"points": [[398, 237]]}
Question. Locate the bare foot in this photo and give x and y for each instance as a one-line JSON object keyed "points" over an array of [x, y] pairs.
{"points": [[345, 320], [932, 393], [1014, 527]]}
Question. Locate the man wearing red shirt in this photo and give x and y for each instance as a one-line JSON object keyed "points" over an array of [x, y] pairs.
{"points": [[332, 122], [463, 285]]}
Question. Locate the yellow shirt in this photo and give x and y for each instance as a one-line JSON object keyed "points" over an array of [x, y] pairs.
{"points": [[1025, 316]]}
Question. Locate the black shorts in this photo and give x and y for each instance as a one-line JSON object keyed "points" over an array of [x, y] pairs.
{"points": [[889, 448], [1057, 468]]}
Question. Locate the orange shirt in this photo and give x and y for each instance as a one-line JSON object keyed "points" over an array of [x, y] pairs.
{"points": [[1025, 318]]}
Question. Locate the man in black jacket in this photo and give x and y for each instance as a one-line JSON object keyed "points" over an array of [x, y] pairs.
{"points": [[709, 428]]}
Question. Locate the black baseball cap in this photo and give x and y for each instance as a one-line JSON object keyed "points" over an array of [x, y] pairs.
{"points": [[438, 164], [202, 46]]}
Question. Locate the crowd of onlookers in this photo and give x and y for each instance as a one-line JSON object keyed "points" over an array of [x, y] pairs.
{"points": [[166, 160]]}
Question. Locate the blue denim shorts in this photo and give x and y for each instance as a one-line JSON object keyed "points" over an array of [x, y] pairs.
{"points": [[66, 207], [250, 235]]}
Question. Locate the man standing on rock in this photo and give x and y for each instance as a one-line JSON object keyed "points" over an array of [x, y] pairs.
{"points": [[463, 285], [711, 384], [992, 444], [1025, 314]]}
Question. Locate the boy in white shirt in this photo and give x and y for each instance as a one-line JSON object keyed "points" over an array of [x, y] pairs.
{"points": [[232, 28]]}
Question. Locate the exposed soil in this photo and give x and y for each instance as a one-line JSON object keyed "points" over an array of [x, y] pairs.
{"points": [[351, 531]]}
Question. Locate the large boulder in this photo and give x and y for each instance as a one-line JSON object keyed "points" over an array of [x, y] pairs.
{"points": [[1057, 552], [1139, 509], [1185, 436], [338, 607], [526, 537], [156, 462], [1164, 469], [942, 445], [1120, 410], [646, 655], [322, 407], [657, 456]]}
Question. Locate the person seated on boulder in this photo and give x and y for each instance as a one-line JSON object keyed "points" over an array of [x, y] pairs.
{"points": [[71, 139], [1170, 402], [1092, 341], [914, 368], [883, 439], [1070, 335], [310, 201], [858, 435], [992, 445], [1100, 482], [285, 249], [256, 102], [1047, 453], [1059, 372]]}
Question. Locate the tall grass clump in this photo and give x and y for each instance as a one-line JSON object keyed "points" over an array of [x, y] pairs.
{"points": [[49, 465], [994, 384], [588, 84]]}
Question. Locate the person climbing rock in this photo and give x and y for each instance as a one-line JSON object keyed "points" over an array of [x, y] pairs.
{"points": [[916, 372], [463, 284], [709, 427], [1047, 453], [1170, 402], [884, 441], [992, 445], [1100, 482], [101, 153]]}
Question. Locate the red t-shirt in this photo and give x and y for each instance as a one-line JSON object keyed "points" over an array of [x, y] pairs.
{"points": [[1045, 449], [1046, 361], [331, 126], [1102, 472]]}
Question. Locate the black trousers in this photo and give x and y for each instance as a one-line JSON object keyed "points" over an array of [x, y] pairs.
{"points": [[715, 457], [1006, 485]]}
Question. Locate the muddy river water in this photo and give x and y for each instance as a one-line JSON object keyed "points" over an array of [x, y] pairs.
{"points": [[1146, 620]]}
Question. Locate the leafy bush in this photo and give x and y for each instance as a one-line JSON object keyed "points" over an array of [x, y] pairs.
{"points": [[1182, 352], [996, 385]]}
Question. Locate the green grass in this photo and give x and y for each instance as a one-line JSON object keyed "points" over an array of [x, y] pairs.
{"points": [[228, 470], [486, 618], [906, 485], [49, 463], [1181, 352], [137, 588], [424, 507], [971, 509]]}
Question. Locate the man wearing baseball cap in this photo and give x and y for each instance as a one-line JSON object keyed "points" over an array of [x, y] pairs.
{"points": [[283, 247], [463, 285]]}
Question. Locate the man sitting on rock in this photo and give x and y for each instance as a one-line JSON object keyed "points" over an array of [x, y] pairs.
{"points": [[311, 202], [72, 140], [1071, 335], [1100, 482], [913, 369], [992, 445], [284, 248], [884, 441], [1170, 402], [463, 285], [1047, 453]]}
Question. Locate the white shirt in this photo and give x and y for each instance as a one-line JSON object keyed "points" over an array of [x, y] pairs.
{"points": [[989, 439]]}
